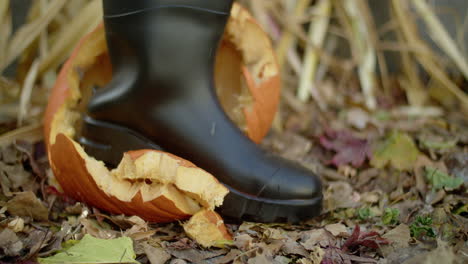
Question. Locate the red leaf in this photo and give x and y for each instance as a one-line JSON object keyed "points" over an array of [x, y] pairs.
{"points": [[352, 239], [349, 149], [369, 239]]}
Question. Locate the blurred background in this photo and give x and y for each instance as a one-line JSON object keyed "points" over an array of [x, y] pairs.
{"points": [[407, 56]]}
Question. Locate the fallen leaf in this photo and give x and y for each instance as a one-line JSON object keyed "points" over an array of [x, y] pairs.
{"points": [[228, 258], [357, 118], [398, 150], [292, 247], [26, 204], [282, 260], [183, 243], [370, 239], [95, 250], [399, 237], [139, 229], [349, 149], [17, 224], [260, 256], [156, 255], [243, 242], [457, 164], [93, 228], [340, 195], [36, 240], [437, 141], [316, 255], [10, 245], [312, 238], [178, 261], [337, 229], [422, 162], [439, 179], [196, 256], [442, 254]]}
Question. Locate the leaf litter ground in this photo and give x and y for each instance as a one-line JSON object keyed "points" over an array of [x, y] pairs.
{"points": [[390, 197]]}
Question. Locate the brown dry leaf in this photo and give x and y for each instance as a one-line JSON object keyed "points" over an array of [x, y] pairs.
{"points": [[292, 146], [316, 255], [358, 118], [10, 244], [17, 224], [371, 197], [196, 256], [337, 229], [36, 240], [17, 176], [156, 255], [442, 254], [93, 228], [258, 255], [139, 229], [292, 247], [399, 237], [422, 162], [228, 258], [26, 204], [457, 164], [243, 242], [312, 238], [178, 261], [340, 195]]}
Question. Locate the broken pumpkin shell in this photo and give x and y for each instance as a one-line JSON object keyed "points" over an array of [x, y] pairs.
{"points": [[155, 185], [208, 229]]}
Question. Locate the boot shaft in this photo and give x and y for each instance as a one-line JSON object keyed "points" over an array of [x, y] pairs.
{"points": [[156, 37], [115, 8]]}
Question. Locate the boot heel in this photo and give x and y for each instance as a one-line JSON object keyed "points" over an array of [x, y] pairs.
{"points": [[107, 142]]}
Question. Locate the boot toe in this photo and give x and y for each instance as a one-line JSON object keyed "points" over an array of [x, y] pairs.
{"points": [[291, 194], [292, 182]]}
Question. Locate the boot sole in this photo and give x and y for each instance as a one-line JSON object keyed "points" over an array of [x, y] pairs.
{"points": [[107, 142]]}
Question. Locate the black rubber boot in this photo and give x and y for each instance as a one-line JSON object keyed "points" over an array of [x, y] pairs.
{"points": [[162, 96]]}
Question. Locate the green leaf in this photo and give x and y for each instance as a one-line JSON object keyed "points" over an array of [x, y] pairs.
{"points": [[365, 213], [438, 145], [93, 250], [422, 226], [390, 216], [461, 210], [440, 180], [398, 150]]}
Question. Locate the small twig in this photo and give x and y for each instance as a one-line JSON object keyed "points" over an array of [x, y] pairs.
{"points": [[5, 28], [364, 49], [29, 133], [317, 32], [29, 32], [26, 92], [288, 39], [441, 36], [85, 20], [429, 64]]}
